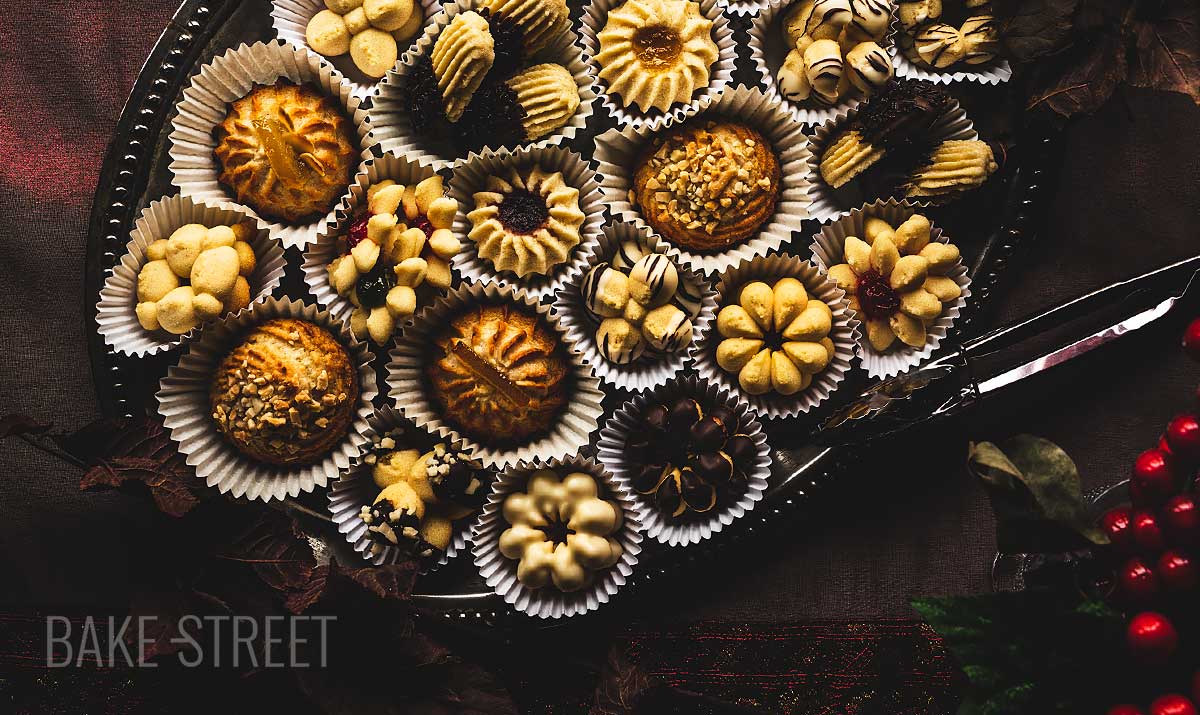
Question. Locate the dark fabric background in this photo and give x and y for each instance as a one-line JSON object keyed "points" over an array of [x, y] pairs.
{"points": [[1127, 201]]}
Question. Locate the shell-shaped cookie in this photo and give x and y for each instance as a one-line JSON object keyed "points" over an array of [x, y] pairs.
{"points": [[548, 96], [462, 56]]}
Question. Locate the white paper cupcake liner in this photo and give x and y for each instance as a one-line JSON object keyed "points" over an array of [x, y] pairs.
{"points": [[994, 72], [617, 151], [390, 122], [653, 368], [321, 252], [595, 17], [828, 249], [290, 19], [472, 175], [407, 386], [357, 487], [745, 8], [500, 572], [612, 453], [829, 203], [228, 78], [183, 403], [768, 49], [115, 313], [844, 335]]}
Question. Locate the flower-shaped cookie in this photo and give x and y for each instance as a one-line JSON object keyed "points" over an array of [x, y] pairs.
{"points": [[775, 337], [400, 243], [897, 280], [560, 530]]}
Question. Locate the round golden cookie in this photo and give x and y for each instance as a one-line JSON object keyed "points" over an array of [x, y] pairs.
{"points": [[707, 185]]}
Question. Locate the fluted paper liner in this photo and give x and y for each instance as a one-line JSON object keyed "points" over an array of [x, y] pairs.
{"points": [[768, 50], [830, 203], [828, 249], [653, 368], [183, 403], [994, 72], [321, 252], [472, 175], [720, 74], [612, 453], [228, 78], [407, 385], [393, 129], [844, 335], [745, 8], [500, 572], [617, 151], [116, 314], [356, 487], [290, 19]]}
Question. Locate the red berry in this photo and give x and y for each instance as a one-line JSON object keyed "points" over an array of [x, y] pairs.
{"points": [[1181, 516], [1191, 339], [1137, 581], [1125, 710], [1118, 524], [1183, 434], [1177, 572], [1152, 637], [1147, 533], [1172, 705], [1152, 481], [358, 231]]}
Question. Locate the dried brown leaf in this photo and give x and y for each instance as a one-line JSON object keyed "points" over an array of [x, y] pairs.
{"points": [[1167, 49], [1035, 28], [1080, 80], [300, 599], [391, 581], [622, 683], [168, 486], [14, 424]]}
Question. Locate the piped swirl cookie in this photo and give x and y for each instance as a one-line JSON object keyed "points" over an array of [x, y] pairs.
{"points": [[656, 53], [540, 21], [462, 57], [526, 221]]}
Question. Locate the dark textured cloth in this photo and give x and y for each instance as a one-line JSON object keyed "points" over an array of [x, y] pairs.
{"points": [[1126, 201]]}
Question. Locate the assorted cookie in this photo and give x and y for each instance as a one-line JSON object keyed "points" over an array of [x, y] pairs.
{"points": [[774, 337], [942, 35], [897, 281], [422, 494], [689, 457], [890, 148], [197, 274], [639, 304], [526, 221], [285, 394], [398, 245], [655, 54], [287, 151], [370, 31], [834, 50], [474, 87], [562, 531], [707, 185]]}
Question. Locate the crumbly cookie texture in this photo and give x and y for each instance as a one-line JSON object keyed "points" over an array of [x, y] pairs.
{"points": [[775, 337], [286, 393], [897, 280], [655, 54]]}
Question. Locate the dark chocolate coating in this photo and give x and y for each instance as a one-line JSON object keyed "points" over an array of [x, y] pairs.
{"points": [[707, 435]]}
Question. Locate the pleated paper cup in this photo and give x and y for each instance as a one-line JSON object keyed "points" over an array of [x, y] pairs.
{"points": [[595, 17], [408, 387], [612, 453], [116, 312], [290, 19], [321, 252], [844, 335], [393, 128], [183, 403], [994, 72], [618, 150], [471, 177], [768, 49], [828, 249], [500, 572], [356, 487], [654, 367], [228, 78], [829, 203], [744, 8]]}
